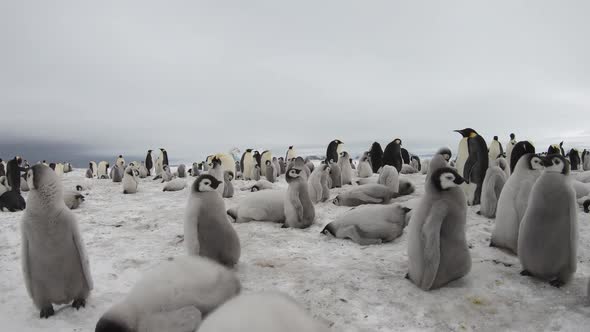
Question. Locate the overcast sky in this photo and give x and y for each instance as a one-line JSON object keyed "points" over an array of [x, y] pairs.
{"points": [[199, 77]]}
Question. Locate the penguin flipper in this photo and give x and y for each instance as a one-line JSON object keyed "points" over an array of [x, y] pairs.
{"points": [[81, 251], [184, 319], [25, 264], [431, 240], [468, 168]]}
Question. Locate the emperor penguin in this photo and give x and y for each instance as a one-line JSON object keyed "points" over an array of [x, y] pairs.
{"points": [[376, 154], [513, 202], [59, 169], [250, 313], [520, 149], [102, 170], [12, 201], [345, 168], [574, 156], [117, 173], [73, 199], [495, 150], [256, 173], [509, 146], [290, 155], [318, 184], [176, 184], [437, 247], [415, 162], [276, 166], [269, 171], [143, 171], [172, 296], [259, 185], [475, 167], [364, 169], [492, 187], [309, 164], [393, 154], [462, 155], [216, 170], [94, 167], [283, 166], [130, 180], [371, 193], [389, 177], [266, 205], [166, 174], [227, 162], [181, 170], [264, 157], [299, 209], [228, 190], [160, 162], [120, 162], [405, 156], [334, 149], [257, 158], [88, 173], [335, 175], [586, 160], [195, 170], [207, 231], [548, 236], [554, 149], [54, 261], [504, 166], [149, 163], [247, 164], [372, 224], [262, 312]]}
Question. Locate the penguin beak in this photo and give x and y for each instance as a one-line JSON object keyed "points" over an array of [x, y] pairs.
{"points": [[547, 162], [459, 180], [215, 184]]}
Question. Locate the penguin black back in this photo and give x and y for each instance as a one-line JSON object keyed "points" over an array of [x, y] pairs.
{"points": [[521, 148], [393, 154], [332, 150], [405, 156], [376, 154]]}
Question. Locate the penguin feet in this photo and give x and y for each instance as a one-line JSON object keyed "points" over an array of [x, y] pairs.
{"points": [[47, 312], [556, 283], [79, 303], [525, 273]]}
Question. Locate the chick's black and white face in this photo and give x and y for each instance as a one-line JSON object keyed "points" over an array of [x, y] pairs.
{"points": [[449, 180], [207, 184], [294, 173], [536, 163], [556, 164]]}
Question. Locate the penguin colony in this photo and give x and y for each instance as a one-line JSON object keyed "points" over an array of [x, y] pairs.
{"points": [[534, 199]]}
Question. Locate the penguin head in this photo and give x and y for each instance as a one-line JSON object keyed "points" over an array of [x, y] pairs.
{"points": [[129, 171], [149, 151], [136, 172], [467, 132], [205, 183], [281, 159], [267, 163], [536, 162], [446, 153], [556, 163], [397, 141], [79, 188], [446, 178], [495, 138], [512, 136], [291, 147], [40, 177], [254, 189], [228, 175], [344, 154], [336, 200], [215, 162], [293, 174]]}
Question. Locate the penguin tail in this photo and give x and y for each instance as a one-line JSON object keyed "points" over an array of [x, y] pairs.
{"points": [[233, 213]]}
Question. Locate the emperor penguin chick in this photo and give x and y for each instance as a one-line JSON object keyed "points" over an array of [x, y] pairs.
{"points": [[548, 236], [364, 168], [207, 231], [299, 209], [54, 261], [318, 184], [437, 247], [513, 202], [492, 187], [228, 190], [130, 181], [172, 297], [345, 168], [262, 312]]}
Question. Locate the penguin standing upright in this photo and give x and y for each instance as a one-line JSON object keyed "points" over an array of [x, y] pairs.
{"points": [[574, 156], [334, 149], [290, 155], [149, 164], [510, 145], [257, 158], [376, 154], [495, 150], [519, 150], [477, 163], [393, 154], [405, 156], [586, 160], [13, 173], [247, 164], [554, 149]]}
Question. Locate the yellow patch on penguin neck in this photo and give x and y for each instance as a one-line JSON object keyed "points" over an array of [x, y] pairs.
{"points": [[472, 135]]}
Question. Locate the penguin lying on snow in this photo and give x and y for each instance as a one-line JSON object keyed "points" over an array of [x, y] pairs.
{"points": [[366, 194], [173, 297], [262, 312], [73, 199], [367, 225], [267, 205], [259, 185]]}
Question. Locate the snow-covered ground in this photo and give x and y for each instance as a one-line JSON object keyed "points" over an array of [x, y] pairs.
{"points": [[353, 287]]}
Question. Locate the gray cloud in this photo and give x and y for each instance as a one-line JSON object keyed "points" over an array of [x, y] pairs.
{"points": [[204, 77]]}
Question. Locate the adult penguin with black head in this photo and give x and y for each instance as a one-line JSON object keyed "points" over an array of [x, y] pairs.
{"points": [[149, 163], [334, 149], [477, 163], [574, 157], [376, 154], [393, 154], [405, 156], [520, 149]]}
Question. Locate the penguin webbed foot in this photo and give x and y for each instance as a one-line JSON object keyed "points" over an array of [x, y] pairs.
{"points": [[47, 312], [526, 273], [556, 283], [79, 303]]}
